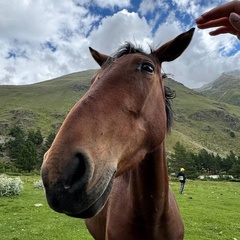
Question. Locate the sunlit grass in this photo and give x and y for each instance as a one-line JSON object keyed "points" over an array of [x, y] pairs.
{"points": [[210, 211], [20, 219]]}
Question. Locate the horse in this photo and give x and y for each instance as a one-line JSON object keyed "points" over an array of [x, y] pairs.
{"points": [[107, 162]]}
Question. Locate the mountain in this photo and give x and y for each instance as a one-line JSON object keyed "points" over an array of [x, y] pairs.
{"points": [[42, 105], [225, 89], [200, 122]]}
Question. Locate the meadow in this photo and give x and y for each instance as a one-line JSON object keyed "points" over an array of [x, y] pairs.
{"points": [[210, 211]]}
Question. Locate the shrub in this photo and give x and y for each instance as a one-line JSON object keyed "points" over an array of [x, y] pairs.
{"points": [[38, 184], [8, 167], [10, 186]]}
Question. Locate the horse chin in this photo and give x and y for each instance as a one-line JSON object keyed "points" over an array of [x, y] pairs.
{"points": [[97, 206]]}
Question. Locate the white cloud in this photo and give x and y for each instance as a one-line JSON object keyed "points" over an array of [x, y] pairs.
{"points": [[43, 39], [104, 3], [112, 3], [202, 62], [26, 30], [119, 28], [205, 58], [151, 5]]}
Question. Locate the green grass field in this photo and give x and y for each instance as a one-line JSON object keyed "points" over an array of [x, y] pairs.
{"points": [[20, 219], [210, 211], [213, 212]]}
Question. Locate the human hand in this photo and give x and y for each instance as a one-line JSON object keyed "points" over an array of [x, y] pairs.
{"points": [[226, 17]]}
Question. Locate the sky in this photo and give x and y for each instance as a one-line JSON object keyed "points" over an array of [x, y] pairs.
{"points": [[45, 39]]}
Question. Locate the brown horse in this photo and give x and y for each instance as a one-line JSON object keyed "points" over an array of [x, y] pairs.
{"points": [[107, 163]]}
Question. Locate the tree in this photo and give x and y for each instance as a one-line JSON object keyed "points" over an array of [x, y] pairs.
{"points": [[27, 158], [216, 164], [204, 161], [178, 158], [45, 146], [235, 170], [16, 132], [35, 137], [49, 140], [190, 165], [228, 162], [16, 143], [1, 150], [24, 149]]}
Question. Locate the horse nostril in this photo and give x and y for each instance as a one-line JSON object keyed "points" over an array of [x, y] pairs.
{"points": [[76, 173]]}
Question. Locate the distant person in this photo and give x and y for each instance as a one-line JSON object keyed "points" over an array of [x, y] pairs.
{"points": [[182, 178], [225, 17]]}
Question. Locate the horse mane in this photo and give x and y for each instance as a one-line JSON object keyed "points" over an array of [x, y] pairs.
{"points": [[169, 96], [129, 48]]}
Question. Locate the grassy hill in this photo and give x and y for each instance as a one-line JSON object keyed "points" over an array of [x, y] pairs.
{"points": [[44, 104], [199, 121], [204, 123], [226, 88]]}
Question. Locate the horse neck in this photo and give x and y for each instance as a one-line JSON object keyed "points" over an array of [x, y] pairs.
{"points": [[149, 184]]}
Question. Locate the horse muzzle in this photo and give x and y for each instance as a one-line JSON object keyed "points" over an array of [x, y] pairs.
{"points": [[67, 189]]}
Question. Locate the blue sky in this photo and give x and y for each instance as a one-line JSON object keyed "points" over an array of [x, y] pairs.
{"points": [[44, 39]]}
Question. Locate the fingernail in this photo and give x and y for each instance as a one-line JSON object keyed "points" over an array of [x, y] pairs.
{"points": [[235, 17]]}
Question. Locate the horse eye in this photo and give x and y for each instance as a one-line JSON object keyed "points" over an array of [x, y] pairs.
{"points": [[147, 67]]}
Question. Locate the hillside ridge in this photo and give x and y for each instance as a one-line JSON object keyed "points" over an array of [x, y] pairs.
{"points": [[199, 121], [225, 88]]}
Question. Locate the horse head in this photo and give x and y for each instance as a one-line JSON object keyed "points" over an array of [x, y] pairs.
{"points": [[120, 119]]}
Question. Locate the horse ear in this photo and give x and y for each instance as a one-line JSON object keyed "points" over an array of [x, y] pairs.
{"points": [[98, 57], [174, 48]]}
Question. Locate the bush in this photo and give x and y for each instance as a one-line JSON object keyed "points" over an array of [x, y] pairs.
{"points": [[38, 184], [6, 167], [10, 186], [235, 180]]}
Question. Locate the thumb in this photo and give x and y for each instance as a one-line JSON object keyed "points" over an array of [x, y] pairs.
{"points": [[234, 19]]}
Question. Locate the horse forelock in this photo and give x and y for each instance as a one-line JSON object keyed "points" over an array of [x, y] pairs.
{"points": [[128, 48]]}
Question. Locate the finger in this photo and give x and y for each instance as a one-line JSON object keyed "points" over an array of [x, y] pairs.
{"points": [[223, 30], [200, 20], [218, 12], [215, 23], [235, 21]]}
